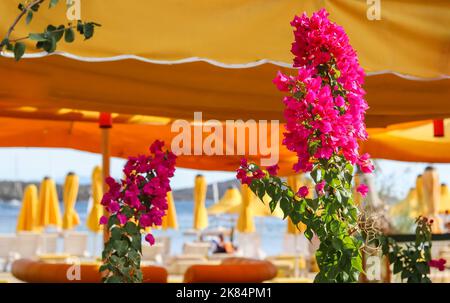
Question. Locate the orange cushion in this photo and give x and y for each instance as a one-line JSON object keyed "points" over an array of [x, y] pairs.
{"points": [[40, 272], [232, 270]]}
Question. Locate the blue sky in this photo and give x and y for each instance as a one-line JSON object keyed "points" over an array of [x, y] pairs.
{"points": [[31, 164]]}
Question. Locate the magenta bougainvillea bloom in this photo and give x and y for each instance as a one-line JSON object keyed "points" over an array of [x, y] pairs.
{"points": [[303, 191], [273, 170], [327, 114], [141, 195], [319, 187], [438, 263], [362, 189]]}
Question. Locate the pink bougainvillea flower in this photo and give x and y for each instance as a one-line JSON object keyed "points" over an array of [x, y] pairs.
{"points": [[150, 239], [282, 82], [362, 189], [103, 220], [438, 263], [113, 207], [303, 191], [330, 115], [122, 218], [273, 170], [156, 146], [320, 186]]}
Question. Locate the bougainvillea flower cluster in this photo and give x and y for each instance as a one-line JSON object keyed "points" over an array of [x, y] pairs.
{"points": [[142, 194], [438, 263], [325, 108]]}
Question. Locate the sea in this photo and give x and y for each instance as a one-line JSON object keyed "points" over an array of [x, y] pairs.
{"points": [[271, 230]]}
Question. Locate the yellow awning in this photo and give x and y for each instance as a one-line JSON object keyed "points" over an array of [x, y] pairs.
{"points": [[222, 59]]}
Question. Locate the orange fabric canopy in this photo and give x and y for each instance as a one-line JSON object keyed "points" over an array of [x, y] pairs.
{"points": [[43, 87]]}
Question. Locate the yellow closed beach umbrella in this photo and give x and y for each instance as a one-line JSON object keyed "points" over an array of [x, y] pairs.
{"points": [[70, 194], [295, 182], [422, 208], [445, 199], [245, 222], [230, 201], [406, 207], [200, 212], [26, 220], [432, 196], [96, 211], [170, 219], [48, 209]]}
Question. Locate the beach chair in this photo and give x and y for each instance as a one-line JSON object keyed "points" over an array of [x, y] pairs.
{"points": [[249, 246], [153, 253], [167, 244], [27, 245], [48, 243], [6, 249], [76, 244], [196, 248]]}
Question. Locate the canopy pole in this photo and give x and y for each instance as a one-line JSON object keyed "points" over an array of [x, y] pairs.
{"points": [[105, 123]]}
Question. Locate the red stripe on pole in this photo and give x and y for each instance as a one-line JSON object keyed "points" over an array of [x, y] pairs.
{"points": [[438, 128], [105, 120]]}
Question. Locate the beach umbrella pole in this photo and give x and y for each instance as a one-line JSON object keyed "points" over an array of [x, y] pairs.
{"points": [[105, 123]]}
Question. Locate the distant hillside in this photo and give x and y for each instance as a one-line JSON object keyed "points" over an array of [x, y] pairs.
{"points": [[186, 194], [13, 190]]}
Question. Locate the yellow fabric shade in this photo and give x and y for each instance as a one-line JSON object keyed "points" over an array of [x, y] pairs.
{"points": [[230, 200], [405, 142], [48, 210], [26, 221], [86, 136], [245, 222], [96, 211], [200, 212], [295, 183], [248, 30], [135, 88], [170, 219], [223, 58], [445, 199], [70, 194]]}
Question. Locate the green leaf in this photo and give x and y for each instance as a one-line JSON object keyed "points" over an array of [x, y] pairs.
{"points": [[19, 50], [69, 35], [121, 247], [286, 206], [50, 45], [88, 30], [29, 17], [273, 205], [131, 228], [113, 279], [53, 3], [37, 37], [116, 233], [308, 234], [58, 33]]}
